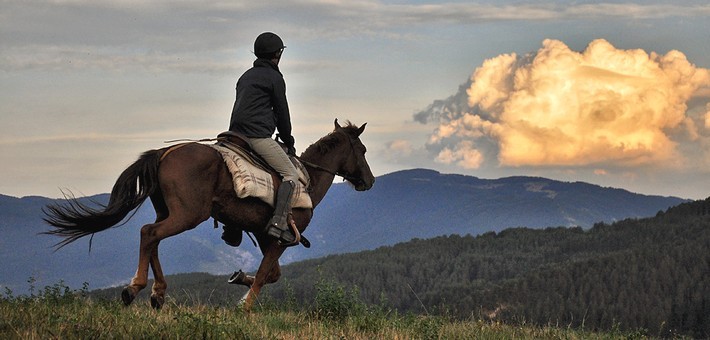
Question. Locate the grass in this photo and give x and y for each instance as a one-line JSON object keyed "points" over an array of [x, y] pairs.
{"points": [[60, 313]]}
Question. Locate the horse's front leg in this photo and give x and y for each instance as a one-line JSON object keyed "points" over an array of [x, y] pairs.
{"points": [[269, 272], [244, 279]]}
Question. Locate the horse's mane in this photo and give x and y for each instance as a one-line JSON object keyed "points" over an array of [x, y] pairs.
{"points": [[331, 140]]}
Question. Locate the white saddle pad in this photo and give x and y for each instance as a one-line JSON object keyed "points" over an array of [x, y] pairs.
{"points": [[251, 180]]}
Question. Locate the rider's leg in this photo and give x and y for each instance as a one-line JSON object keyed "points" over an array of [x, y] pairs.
{"points": [[273, 154]]}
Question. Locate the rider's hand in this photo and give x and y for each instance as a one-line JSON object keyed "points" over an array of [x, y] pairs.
{"points": [[289, 141], [291, 150]]}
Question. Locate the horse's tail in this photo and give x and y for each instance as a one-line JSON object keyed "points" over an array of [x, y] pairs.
{"points": [[133, 186]]}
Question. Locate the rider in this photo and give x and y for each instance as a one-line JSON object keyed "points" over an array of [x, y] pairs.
{"points": [[259, 109]]}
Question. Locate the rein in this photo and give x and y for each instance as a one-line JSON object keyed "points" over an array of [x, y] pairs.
{"points": [[345, 176], [318, 167]]}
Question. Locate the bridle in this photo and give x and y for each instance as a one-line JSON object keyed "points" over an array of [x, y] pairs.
{"points": [[350, 178], [345, 176]]}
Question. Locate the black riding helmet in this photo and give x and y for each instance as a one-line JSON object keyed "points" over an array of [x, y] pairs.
{"points": [[268, 45]]}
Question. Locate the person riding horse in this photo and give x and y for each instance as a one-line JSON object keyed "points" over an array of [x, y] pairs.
{"points": [[259, 109], [189, 183]]}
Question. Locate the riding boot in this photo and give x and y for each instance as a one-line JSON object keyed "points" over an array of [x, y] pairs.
{"points": [[278, 226]]}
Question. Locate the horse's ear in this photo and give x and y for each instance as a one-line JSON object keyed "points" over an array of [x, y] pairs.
{"points": [[361, 130], [337, 125]]}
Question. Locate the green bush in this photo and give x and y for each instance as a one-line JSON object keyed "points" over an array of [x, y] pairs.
{"points": [[336, 303]]}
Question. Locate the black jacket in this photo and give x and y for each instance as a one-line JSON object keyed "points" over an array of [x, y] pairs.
{"points": [[261, 106]]}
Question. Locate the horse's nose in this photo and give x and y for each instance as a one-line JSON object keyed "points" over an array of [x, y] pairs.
{"points": [[370, 183]]}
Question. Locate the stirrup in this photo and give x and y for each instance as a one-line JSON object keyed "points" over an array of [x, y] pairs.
{"points": [[275, 229], [278, 233], [294, 230]]}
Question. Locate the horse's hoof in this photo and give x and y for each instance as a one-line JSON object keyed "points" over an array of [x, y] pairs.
{"points": [[245, 303], [238, 278], [127, 295], [157, 301]]}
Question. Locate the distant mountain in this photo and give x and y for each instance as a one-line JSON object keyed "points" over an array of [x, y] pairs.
{"points": [[423, 203], [401, 206], [110, 258]]}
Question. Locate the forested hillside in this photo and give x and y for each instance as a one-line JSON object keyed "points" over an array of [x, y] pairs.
{"points": [[651, 274]]}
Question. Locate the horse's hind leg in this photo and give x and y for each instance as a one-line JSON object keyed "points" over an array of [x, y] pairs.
{"points": [[186, 191], [140, 279], [151, 235], [157, 296]]}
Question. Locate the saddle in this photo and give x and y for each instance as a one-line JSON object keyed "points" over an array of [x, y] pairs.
{"points": [[235, 138], [232, 139], [252, 176]]}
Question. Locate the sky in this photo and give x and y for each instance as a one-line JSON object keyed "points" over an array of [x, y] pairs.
{"points": [[613, 93]]}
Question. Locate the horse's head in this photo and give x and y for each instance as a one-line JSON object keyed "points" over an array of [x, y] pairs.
{"points": [[354, 167]]}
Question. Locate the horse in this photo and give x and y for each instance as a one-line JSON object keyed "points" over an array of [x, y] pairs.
{"points": [[190, 184]]}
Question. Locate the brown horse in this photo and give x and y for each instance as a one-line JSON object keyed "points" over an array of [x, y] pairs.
{"points": [[190, 184]]}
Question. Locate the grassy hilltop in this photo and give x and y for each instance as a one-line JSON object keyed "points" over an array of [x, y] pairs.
{"points": [[57, 312]]}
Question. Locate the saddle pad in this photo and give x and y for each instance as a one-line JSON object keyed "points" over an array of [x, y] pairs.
{"points": [[251, 180]]}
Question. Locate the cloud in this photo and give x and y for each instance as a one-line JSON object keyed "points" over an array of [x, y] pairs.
{"points": [[636, 10], [559, 107], [399, 147], [205, 33], [56, 58], [600, 172], [464, 155]]}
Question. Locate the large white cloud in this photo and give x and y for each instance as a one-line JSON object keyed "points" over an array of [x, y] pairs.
{"points": [[559, 107]]}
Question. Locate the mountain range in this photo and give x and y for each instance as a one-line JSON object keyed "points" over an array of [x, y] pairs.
{"points": [[404, 205]]}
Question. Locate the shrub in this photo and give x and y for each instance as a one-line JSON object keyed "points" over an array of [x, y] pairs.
{"points": [[334, 302]]}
